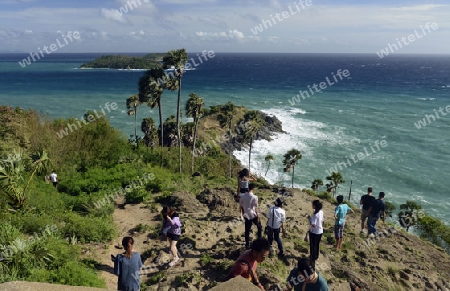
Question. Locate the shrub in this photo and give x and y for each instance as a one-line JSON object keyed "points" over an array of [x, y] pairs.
{"points": [[88, 229]]}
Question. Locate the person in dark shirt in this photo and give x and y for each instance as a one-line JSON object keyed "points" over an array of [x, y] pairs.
{"points": [[304, 277], [366, 201], [374, 212]]}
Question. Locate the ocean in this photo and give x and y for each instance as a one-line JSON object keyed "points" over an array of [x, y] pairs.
{"points": [[382, 123]]}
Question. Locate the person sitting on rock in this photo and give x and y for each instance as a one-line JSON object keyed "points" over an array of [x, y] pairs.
{"points": [[247, 263]]}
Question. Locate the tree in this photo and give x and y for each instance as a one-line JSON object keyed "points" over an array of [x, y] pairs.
{"points": [[268, 158], [316, 184], [253, 123], [13, 172], [335, 179], [132, 104], [407, 217], [178, 59], [150, 132], [225, 118], [194, 107], [290, 160], [150, 92]]}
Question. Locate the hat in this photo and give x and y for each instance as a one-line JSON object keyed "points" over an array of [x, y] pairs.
{"points": [[278, 202]]}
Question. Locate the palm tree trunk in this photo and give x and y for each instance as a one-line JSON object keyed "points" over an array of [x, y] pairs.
{"points": [[135, 126], [162, 128], [250, 153], [193, 146], [178, 121], [229, 148], [268, 166], [293, 171]]}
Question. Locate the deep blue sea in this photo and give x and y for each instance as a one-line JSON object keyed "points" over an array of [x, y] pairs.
{"points": [[365, 124]]}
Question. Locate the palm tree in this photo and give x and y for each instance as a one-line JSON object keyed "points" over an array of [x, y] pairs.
{"points": [[253, 123], [316, 184], [194, 109], [335, 179], [178, 59], [13, 183], [150, 92], [150, 133], [268, 158], [225, 118], [132, 104], [290, 160]]}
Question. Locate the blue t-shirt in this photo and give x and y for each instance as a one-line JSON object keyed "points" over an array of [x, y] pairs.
{"points": [[341, 212], [127, 269], [295, 281]]}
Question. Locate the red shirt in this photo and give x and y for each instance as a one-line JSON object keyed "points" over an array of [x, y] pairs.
{"points": [[241, 268]]}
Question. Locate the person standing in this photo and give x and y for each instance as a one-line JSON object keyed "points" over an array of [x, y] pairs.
{"points": [[127, 267], [276, 218], [376, 209], [171, 227], [243, 181], [366, 201], [339, 220], [304, 277], [315, 230], [54, 178], [248, 203], [247, 263]]}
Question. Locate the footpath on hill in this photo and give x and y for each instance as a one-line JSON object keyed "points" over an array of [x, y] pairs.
{"points": [[213, 237]]}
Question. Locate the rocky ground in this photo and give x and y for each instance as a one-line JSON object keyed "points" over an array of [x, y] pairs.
{"points": [[213, 237]]}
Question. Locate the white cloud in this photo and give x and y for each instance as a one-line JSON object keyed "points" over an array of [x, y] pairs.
{"points": [[28, 31], [425, 7], [113, 14]]}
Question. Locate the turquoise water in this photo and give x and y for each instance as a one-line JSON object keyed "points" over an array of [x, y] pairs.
{"points": [[381, 100]]}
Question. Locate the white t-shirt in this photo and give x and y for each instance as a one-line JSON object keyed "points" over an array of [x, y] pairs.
{"points": [[279, 214], [53, 177], [249, 202], [317, 220]]}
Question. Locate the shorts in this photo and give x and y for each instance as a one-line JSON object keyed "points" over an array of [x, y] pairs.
{"points": [[363, 215], [338, 231], [173, 237]]}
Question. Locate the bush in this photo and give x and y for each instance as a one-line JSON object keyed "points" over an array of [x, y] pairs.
{"points": [[136, 196], [88, 229]]}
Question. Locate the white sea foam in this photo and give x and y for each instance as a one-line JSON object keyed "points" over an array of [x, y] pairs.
{"points": [[301, 134]]}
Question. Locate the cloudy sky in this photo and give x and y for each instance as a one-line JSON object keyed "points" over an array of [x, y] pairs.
{"points": [[341, 26]]}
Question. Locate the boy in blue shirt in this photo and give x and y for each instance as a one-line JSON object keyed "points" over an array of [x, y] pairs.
{"points": [[339, 215]]}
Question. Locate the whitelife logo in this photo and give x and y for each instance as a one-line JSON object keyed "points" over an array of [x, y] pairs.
{"points": [[53, 47]]}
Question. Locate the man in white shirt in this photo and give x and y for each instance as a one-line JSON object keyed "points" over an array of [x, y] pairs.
{"points": [[249, 209], [276, 218], [54, 178]]}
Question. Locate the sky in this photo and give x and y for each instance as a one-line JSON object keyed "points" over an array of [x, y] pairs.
{"points": [[285, 26]]}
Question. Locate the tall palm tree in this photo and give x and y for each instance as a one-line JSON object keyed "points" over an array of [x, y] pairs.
{"points": [[335, 179], [13, 169], [150, 92], [194, 107], [225, 118], [290, 160], [178, 59], [253, 123], [132, 104], [268, 158]]}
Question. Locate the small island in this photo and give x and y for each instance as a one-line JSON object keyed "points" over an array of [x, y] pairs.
{"points": [[123, 62]]}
